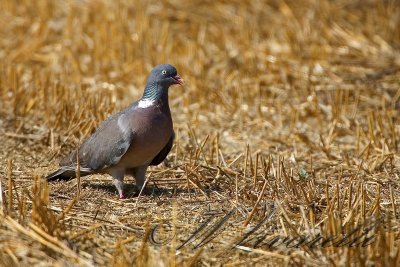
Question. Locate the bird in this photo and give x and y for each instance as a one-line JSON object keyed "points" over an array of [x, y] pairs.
{"points": [[130, 141]]}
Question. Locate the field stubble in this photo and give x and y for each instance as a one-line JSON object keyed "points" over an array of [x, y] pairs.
{"points": [[290, 112]]}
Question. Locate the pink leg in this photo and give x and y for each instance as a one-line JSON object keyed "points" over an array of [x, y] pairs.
{"points": [[118, 178]]}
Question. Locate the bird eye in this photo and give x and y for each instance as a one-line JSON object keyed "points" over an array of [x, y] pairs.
{"points": [[164, 72]]}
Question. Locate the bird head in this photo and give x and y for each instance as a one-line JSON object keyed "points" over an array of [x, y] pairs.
{"points": [[165, 75]]}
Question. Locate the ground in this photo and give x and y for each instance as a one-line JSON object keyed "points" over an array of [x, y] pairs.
{"points": [[287, 132]]}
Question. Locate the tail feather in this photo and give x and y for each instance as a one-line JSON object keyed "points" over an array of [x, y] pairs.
{"points": [[64, 175]]}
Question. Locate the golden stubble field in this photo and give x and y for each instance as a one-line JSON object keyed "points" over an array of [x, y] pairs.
{"points": [[288, 126]]}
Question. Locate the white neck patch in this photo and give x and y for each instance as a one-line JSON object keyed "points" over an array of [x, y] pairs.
{"points": [[145, 103]]}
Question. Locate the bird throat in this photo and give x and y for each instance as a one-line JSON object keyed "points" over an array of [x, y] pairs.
{"points": [[153, 95]]}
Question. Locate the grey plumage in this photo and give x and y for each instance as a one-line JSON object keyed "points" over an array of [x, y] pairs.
{"points": [[130, 140]]}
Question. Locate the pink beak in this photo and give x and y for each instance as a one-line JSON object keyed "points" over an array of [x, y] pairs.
{"points": [[179, 80]]}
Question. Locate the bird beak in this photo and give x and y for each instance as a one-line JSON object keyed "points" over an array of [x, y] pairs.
{"points": [[179, 80]]}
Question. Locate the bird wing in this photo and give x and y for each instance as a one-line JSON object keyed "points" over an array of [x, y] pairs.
{"points": [[164, 152], [106, 146]]}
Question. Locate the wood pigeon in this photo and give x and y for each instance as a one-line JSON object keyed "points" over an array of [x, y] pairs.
{"points": [[129, 141]]}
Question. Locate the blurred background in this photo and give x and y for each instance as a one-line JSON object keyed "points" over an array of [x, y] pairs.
{"points": [[252, 67]]}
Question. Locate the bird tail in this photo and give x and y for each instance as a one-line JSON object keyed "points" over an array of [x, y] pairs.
{"points": [[61, 174]]}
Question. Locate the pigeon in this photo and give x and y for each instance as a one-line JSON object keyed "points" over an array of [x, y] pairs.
{"points": [[130, 141]]}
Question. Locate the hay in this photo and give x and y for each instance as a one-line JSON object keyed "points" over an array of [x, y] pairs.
{"points": [[288, 125]]}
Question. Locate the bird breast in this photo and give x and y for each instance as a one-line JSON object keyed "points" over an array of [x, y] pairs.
{"points": [[153, 133]]}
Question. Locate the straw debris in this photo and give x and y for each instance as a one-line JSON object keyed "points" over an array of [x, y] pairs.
{"points": [[287, 149]]}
